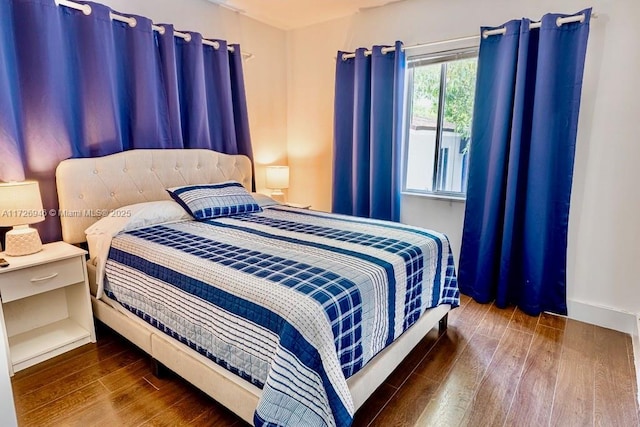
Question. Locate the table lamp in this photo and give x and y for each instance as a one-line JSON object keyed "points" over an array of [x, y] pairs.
{"points": [[21, 205], [277, 180]]}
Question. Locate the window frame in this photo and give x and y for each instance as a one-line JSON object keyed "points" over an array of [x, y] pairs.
{"points": [[422, 58]]}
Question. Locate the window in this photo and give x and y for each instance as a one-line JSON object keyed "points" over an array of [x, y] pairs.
{"points": [[440, 92]]}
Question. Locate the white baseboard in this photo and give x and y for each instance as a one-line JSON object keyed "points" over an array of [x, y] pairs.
{"points": [[606, 317]]}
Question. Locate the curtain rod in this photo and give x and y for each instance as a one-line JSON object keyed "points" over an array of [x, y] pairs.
{"points": [[86, 9], [486, 33]]}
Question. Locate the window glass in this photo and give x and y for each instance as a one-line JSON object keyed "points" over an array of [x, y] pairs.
{"points": [[440, 105]]}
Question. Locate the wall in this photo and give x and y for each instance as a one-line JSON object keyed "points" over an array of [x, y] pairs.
{"points": [[7, 408], [603, 267], [265, 74]]}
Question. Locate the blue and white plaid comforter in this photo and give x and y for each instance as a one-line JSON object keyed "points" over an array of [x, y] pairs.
{"points": [[293, 301]]}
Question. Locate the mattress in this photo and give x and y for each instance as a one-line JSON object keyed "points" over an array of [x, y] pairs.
{"points": [[294, 301]]}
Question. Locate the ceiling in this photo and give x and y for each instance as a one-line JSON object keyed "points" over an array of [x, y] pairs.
{"points": [[290, 14]]}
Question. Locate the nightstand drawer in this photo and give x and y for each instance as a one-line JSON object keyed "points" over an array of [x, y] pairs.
{"points": [[41, 278]]}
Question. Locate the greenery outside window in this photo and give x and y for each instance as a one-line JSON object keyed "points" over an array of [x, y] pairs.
{"points": [[440, 94]]}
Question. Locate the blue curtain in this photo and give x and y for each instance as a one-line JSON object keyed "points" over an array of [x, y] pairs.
{"points": [[368, 133], [73, 85], [514, 246]]}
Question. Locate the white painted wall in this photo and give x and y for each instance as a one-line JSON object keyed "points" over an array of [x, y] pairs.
{"points": [[603, 266], [265, 75], [7, 408]]}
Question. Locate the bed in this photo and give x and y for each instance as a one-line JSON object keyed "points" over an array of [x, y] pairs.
{"points": [[307, 357]]}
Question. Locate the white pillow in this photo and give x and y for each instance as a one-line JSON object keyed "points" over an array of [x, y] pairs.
{"points": [[263, 200], [139, 215]]}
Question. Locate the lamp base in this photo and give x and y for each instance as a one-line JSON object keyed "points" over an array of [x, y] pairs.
{"points": [[278, 196], [22, 240]]}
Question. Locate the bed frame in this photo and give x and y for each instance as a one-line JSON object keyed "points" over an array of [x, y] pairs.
{"points": [[87, 187]]}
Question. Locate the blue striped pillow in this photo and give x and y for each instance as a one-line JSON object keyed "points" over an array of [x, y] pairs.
{"points": [[215, 200]]}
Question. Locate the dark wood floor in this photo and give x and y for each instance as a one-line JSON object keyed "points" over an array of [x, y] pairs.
{"points": [[491, 368]]}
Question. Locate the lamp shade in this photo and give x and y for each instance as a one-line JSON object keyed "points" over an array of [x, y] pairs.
{"points": [[20, 203], [277, 177]]}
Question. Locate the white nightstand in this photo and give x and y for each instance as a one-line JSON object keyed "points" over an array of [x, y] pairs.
{"points": [[45, 305], [298, 205]]}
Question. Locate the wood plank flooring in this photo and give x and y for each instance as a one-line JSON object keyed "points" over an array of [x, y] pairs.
{"points": [[491, 368]]}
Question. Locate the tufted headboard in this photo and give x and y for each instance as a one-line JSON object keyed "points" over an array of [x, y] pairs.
{"points": [[89, 188]]}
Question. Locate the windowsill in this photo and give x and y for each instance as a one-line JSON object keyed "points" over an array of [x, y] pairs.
{"points": [[435, 196]]}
